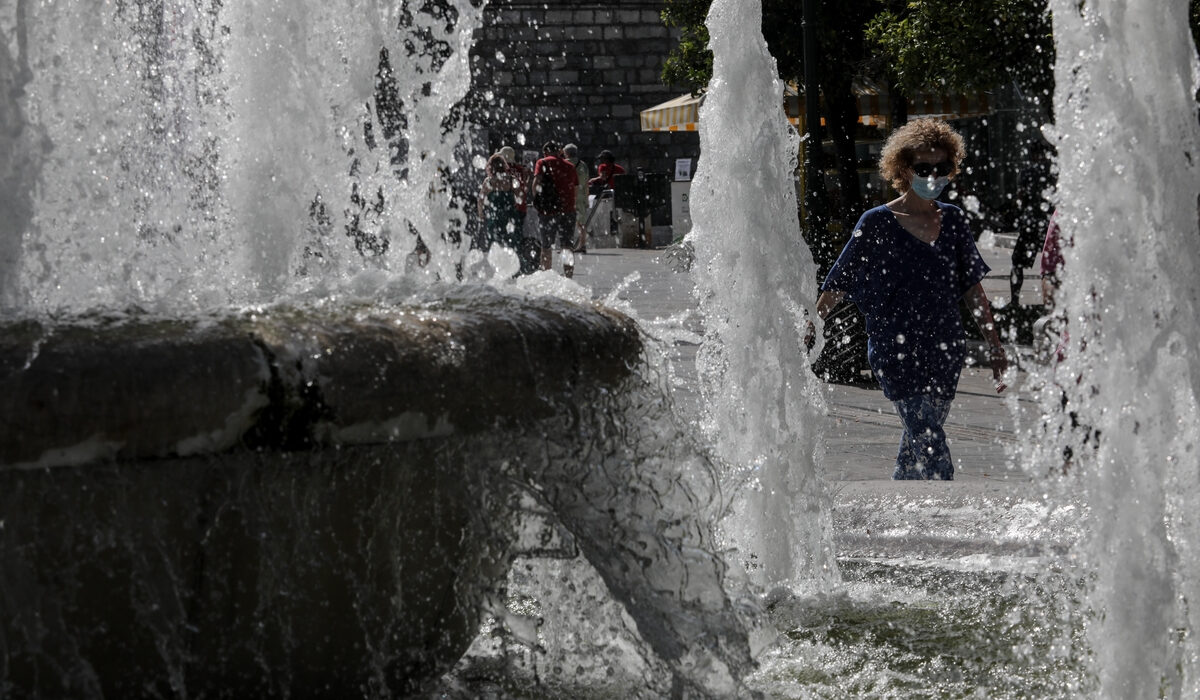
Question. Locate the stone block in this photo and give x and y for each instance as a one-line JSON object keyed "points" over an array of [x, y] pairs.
{"points": [[564, 77], [629, 59], [646, 32], [627, 17], [522, 33]]}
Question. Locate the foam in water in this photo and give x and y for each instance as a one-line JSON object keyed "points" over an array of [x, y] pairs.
{"points": [[1129, 163], [756, 282]]}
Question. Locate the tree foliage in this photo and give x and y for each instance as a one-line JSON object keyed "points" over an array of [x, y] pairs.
{"points": [[691, 62], [965, 45], [915, 45]]}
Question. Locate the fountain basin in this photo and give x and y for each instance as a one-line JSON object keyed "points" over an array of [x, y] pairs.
{"points": [[293, 379], [304, 502]]}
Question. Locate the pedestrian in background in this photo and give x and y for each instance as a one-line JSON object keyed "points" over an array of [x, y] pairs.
{"points": [[606, 171], [554, 184], [498, 206], [571, 151], [526, 250]]}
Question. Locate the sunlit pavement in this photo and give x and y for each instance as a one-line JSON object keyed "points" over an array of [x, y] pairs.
{"points": [[863, 430]]}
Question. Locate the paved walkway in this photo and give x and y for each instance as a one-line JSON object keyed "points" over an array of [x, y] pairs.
{"points": [[863, 430]]}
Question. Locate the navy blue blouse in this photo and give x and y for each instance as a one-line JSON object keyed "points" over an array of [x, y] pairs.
{"points": [[908, 292]]}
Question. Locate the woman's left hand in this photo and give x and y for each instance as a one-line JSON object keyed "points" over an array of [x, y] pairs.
{"points": [[999, 362]]}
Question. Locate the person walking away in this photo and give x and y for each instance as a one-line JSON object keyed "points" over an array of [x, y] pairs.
{"points": [[554, 183], [571, 152], [906, 266], [498, 206]]}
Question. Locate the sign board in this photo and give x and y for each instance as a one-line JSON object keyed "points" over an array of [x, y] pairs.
{"points": [[683, 169], [681, 208]]}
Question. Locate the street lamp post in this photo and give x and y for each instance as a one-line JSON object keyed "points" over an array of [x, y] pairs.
{"points": [[816, 215]]}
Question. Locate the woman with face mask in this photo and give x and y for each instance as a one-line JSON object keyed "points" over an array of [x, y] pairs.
{"points": [[906, 266]]}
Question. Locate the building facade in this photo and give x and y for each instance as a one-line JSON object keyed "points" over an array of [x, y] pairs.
{"points": [[576, 71]]}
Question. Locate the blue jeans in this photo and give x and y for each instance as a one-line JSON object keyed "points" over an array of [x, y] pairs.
{"points": [[923, 453]]}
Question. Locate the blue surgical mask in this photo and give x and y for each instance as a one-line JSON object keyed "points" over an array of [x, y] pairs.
{"points": [[929, 187]]}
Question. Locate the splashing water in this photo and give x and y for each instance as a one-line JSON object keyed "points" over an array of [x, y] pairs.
{"points": [[185, 156], [1128, 145], [755, 281], [190, 154]]}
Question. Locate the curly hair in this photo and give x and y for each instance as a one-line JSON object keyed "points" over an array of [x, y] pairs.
{"points": [[918, 135]]}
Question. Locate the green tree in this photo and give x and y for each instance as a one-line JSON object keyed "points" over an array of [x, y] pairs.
{"points": [[963, 45]]}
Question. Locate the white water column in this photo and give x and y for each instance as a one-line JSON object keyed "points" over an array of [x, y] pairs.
{"points": [[756, 280], [1129, 152], [166, 154]]}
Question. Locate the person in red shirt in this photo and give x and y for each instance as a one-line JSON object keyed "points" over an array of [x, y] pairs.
{"points": [[607, 171], [554, 183]]}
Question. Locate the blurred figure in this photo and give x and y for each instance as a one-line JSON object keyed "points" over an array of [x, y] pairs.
{"points": [[906, 267], [498, 206], [606, 172], [1052, 262], [1031, 207], [1050, 337], [571, 151], [526, 250], [554, 184]]}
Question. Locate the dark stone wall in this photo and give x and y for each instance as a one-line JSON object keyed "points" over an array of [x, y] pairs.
{"points": [[576, 71]]}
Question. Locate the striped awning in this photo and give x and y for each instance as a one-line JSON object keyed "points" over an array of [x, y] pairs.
{"points": [[679, 114], [874, 108]]}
